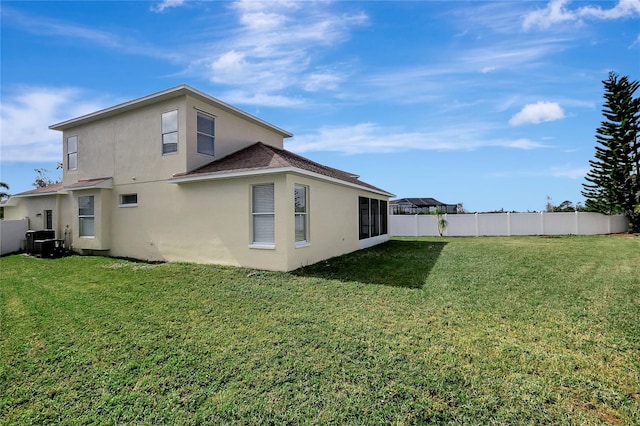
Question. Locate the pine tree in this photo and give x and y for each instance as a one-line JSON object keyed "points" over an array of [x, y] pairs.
{"points": [[612, 183]]}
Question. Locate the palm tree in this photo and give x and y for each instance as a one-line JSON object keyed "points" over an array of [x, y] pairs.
{"points": [[3, 194]]}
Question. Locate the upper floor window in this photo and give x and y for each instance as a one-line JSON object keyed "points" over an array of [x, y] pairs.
{"points": [[170, 132], [206, 134], [72, 153]]}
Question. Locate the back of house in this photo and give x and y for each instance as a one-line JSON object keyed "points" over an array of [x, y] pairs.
{"points": [[181, 176]]}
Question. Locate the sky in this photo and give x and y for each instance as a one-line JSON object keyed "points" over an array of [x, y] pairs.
{"points": [[492, 104]]}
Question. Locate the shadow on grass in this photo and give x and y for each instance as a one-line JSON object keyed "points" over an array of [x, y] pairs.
{"points": [[394, 263]]}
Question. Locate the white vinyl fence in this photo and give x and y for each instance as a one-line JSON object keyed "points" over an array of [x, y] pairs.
{"points": [[507, 224], [12, 233]]}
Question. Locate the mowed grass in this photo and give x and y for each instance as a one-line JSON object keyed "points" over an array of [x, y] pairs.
{"points": [[519, 330]]}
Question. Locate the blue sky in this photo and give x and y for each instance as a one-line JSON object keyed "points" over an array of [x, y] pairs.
{"points": [[489, 104]]}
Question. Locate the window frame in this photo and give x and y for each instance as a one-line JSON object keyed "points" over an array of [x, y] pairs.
{"points": [[201, 133], [47, 218], [302, 212], [124, 203], [72, 153], [166, 132], [372, 220], [86, 217], [257, 242]]}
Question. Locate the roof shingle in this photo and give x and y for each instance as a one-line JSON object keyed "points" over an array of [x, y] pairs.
{"points": [[260, 156]]}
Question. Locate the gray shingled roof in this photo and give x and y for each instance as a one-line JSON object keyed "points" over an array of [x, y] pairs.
{"points": [[420, 202], [260, 156], [49, 189]]}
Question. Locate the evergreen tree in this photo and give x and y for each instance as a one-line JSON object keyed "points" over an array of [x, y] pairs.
{"points": [[612, 183]]}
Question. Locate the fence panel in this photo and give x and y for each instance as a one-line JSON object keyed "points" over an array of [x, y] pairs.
{"points": [[12, 232], [559, 223], [525, 223], [493, 224], [460, 225], [506, 224], [618, 224]]}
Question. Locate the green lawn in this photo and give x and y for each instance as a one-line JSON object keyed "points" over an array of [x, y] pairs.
{"points": [[519, 330]]}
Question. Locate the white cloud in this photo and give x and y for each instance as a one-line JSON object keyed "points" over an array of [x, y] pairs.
{"points": [[624, 9], [537, 113], [80, 34], [322, 80], [569, 172], [557, 11], [25, 118], [373, 138], [275, 47], [525, 144], [258, 99], [166, 4]]}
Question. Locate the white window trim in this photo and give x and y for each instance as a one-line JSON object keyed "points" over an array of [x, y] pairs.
{"points": [[305, 214], [177, 132], [262, 244], [85, 216], [213, 136], [72, 152], [126, 205]]}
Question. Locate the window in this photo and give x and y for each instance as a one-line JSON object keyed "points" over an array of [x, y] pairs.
{"points": [[170, 132], [373, 217], [86, 216], [72, 153], [128, 200], [263, 213], [301, 213], [48, 219], [364, 217], [206, 132]]}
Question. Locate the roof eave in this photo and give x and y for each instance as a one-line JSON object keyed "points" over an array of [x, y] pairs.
{"points": [[173, 92], [37, 194]]}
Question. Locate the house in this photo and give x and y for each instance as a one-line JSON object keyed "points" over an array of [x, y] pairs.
{"points": [[179, 175], [420, 206]]}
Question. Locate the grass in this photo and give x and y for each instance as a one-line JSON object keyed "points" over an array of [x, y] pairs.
{"points": [[526, 330]]}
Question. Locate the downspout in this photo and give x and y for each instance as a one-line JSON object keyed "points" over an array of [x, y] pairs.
{"points": [[57, 226]]}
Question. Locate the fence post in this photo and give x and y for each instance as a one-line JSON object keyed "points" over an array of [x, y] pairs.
{"points": [[417, 226], [577, 223], [477, 231], [541, 223], [445, 231], [508, 224]]}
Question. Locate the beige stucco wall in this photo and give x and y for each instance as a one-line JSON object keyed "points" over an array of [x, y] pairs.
{"points": [[232, 133], [209, 221], [101, 240], [333, 221], [31, 207], [203, 222], [128, 146]]}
